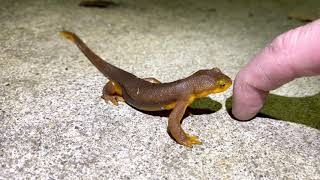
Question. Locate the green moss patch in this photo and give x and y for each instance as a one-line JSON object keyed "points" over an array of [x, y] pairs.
{"points": [[302, 110]]}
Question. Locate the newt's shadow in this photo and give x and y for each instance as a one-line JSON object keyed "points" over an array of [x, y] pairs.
{"points": [[302, 110], [200, 106]]}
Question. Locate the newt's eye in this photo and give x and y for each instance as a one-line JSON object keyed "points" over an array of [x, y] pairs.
{"points": [[221, 83]]}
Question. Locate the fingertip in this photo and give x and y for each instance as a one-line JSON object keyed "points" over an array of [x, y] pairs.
{"points": [[247, 100], [241, 115], [293, 54]]}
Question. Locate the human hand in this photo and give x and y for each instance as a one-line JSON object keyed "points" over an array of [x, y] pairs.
{"points": [[291, 55]]}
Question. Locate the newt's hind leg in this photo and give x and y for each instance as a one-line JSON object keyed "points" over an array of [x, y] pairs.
{"points": [[152, 80], [174, 126], [112, 92]]}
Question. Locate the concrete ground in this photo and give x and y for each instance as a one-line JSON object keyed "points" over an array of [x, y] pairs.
{"points": [[54, 125]]}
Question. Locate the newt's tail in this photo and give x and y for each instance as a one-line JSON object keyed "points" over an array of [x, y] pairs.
{"points": [[110, 71], [68, 35]]}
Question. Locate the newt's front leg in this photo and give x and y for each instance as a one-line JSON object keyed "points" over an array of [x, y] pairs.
{"points": [[112, 92], [174, 125]]}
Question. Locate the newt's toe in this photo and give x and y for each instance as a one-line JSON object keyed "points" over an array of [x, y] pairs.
{"points": [[194, 140], [113, 99], [191, 140]]}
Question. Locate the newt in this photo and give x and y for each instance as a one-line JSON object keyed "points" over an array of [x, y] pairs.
{"points": [[149, 94]]}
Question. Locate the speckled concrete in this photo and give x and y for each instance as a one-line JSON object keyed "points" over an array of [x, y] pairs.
{"points": [[54, 125]]}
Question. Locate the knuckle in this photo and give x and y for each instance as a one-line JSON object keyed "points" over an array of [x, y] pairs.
{"points": [[283, 43]]}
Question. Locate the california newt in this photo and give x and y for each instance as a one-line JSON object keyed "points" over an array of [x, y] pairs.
{"points": [[149, 94]]}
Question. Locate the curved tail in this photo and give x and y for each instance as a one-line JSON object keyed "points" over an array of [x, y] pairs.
{"points": [[105, 68]]}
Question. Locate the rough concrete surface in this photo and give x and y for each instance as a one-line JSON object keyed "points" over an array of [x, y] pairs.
{"points": [[54, 125]]}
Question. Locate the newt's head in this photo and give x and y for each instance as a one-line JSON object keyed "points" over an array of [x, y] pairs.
{"points": [[210, 81]]}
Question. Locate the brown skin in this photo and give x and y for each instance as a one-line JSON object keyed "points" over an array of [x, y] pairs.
{"points": [[151, 95]]}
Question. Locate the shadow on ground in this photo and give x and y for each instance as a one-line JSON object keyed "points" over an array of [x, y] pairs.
{"points": [[302, 110], [200, 106]]}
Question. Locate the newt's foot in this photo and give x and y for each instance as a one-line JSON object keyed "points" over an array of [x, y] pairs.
{"points": [[113, 99], [191, 140], [188, 113]]}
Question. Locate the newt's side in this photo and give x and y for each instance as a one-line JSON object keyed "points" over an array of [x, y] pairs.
{"points": [[151, 95]]}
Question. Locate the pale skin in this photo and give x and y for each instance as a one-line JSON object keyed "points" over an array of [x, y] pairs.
{"points": [[293, 54]]}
